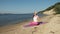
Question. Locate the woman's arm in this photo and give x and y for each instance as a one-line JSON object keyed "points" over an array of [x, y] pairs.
{"points": [[39, 19]]}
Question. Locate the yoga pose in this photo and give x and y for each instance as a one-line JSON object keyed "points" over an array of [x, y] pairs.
{"points": [[36, 21]]}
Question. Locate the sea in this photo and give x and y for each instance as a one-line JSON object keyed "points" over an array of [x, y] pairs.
{"points": [[9, 19]]}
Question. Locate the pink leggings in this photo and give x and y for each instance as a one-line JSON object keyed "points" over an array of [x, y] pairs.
{"points": [[33, 23]]}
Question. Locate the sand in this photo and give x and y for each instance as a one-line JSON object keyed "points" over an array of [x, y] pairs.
{"points": [[51, 27]]}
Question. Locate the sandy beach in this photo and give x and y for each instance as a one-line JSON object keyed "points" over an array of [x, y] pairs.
{"points": [[29, 16], [52, 27]]}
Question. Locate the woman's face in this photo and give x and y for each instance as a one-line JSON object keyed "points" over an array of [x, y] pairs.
{"points": [[34, 13]]}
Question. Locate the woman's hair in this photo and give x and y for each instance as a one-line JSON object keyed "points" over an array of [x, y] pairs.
{"points": [[34, 15]]}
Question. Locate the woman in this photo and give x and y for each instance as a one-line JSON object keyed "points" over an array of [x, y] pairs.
{"points": [[35, 22], [36, 19]]}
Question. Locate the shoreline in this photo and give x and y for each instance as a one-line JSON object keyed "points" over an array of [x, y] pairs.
{"points": [[18, 22], [13, 26], [51, 26]]}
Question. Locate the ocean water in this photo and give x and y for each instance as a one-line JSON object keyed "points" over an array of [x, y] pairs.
{"points": [[14, 18]]}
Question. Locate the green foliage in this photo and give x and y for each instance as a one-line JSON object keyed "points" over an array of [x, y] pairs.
{"points": [[57, 9], [55, 6]]}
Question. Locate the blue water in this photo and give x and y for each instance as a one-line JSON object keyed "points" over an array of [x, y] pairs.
{"points": [[14, 18]]}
